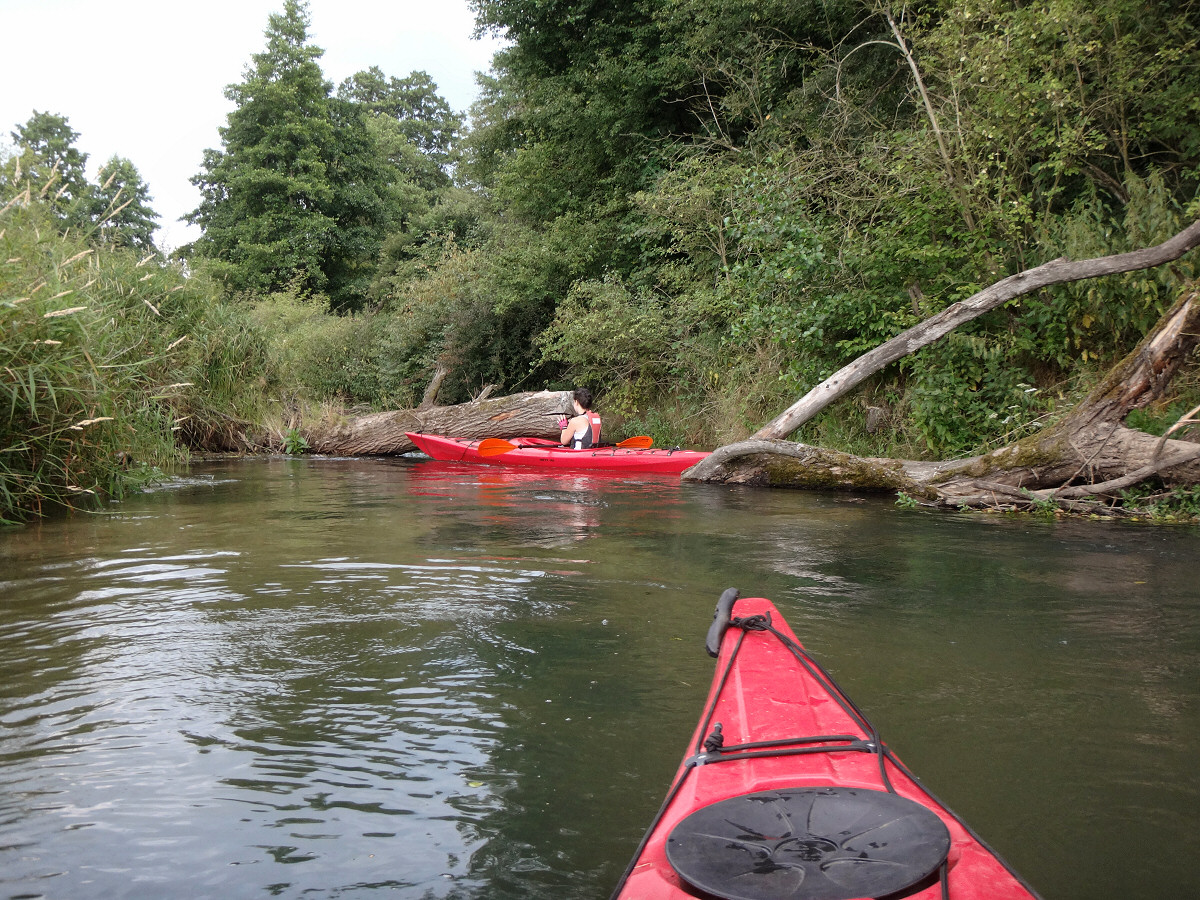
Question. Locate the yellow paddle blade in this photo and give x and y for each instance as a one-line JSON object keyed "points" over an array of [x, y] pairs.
{"points": [[639, 442], [494, 447]]}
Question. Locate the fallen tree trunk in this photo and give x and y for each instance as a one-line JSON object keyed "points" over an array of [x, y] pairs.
{"points": [[530, 414], [1057, 271], [1089, 453]]}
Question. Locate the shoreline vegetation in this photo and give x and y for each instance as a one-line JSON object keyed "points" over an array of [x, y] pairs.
{"points": [[700, 209]]}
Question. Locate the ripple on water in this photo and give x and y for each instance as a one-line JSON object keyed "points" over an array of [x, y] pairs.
{"points": [[175, 708], [339, 676]]}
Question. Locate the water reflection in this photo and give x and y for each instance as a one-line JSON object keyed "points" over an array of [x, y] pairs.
{"points": [[330, 677], [548, 511]]}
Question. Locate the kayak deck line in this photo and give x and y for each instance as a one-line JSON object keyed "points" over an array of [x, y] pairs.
{"points": [[809, 819], [732, 754]]}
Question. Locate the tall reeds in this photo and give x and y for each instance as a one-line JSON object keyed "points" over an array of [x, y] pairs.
{"points": [[104, 358]]}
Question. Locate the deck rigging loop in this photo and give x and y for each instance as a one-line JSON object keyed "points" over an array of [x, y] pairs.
{"points": [[715, 741], [752, 623]]}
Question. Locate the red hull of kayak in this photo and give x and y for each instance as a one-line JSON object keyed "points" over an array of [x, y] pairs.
{"points": [[539, 454], [763, 691]]}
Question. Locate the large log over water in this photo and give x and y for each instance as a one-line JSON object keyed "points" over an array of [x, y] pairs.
{"points": [[530, 414], [1057, 271], [1089, 453]]}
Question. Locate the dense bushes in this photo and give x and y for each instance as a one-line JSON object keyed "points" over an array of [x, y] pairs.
{"points": [[830, 200], [104, 356], [444, 316], [703, 219]]}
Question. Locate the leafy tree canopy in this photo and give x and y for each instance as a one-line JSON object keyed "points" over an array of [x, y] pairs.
{"points": [[424, 118], [266, 196], [114, 211], [790, 182], [53, 157], [308, 185], [119, 206]]}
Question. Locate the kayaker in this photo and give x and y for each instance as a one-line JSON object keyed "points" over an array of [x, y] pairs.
{"points": [[583, 429]]}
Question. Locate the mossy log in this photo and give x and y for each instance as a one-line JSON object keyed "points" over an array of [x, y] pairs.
{"points": [[775, 463], [1089, 453], [529, 414]]}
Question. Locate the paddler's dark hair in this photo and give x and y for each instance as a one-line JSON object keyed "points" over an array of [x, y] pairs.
{"points": [[584, 396]]}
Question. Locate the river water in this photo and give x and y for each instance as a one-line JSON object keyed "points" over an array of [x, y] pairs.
{"points": [[332, 678]]}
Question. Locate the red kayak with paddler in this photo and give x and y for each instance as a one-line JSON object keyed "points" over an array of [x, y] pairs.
{"points": [[633, 455]]}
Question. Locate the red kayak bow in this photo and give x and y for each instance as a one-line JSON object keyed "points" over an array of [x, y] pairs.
{"points": [[788, 793]]}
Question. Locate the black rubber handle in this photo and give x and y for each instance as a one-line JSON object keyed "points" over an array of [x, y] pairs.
{"points": [[720, 621]]}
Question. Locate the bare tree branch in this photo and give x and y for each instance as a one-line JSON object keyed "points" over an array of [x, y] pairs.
{"points": [[1057, 271]]}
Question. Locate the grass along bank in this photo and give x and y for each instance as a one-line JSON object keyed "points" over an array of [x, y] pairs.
{"points": [[107, 359]]}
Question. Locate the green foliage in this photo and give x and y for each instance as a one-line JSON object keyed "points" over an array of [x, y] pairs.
{"points": [[917, 227], [307, 186], [576, 117], [49, 167], [424, 126], [222, 360], [1157, 421], [65, 397], [1059, 95], [50, 164], [663, 362], [119, 207], [266, 195], [777, 247], [482, 311], [1088, 320], [317, 354], [609, 336], [844, 425], [1045, 507], [294, 442], [104, 358], [386, 357], [1174, 505], [700, 208], [969, 387]]}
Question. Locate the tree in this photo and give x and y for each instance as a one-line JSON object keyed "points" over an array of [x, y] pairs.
{"points": [[115, 211], [264, 194], [49, 162], [297, 197], [368, 203], [1088, 453], [413, 130], [118, 208], [422, 119]]}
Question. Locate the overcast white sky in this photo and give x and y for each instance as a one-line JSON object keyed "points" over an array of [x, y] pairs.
{"points": [[145, 79]]}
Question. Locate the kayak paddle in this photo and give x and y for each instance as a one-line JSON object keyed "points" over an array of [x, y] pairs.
{"points": [[497, 446], [494, 447], [637, 442]]}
